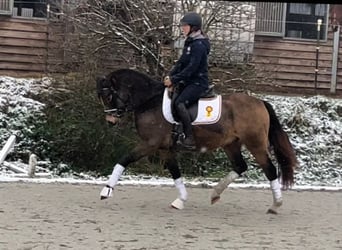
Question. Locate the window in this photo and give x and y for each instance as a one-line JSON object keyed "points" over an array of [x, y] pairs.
{"points": [[301, 20], [6, 7], [296, 20], [30, 8]]}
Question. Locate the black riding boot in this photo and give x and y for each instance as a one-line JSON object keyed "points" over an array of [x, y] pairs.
{"points": [[185, 118]]}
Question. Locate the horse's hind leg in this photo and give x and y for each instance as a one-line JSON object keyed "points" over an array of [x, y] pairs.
{"points": [[172, 165], [262, 158], [233, 152]]}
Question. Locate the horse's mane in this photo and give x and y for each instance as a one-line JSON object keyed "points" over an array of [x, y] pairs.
{"points": [[143, 87], [130, 72], [134, 77]]}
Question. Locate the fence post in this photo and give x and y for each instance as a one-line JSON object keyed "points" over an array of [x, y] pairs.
{"points": [[32, 165], [335, 60]]}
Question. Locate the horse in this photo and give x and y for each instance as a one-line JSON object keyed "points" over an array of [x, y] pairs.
{"points": [[244, 120]]}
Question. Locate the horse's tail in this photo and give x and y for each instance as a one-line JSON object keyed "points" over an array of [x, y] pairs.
{"points": [[282, 147]]}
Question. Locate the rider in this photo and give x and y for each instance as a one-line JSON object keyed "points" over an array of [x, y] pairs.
{"points": [[190, 71]]}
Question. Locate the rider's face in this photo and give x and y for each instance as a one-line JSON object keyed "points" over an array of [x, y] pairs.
{"points": [[185, 29]]}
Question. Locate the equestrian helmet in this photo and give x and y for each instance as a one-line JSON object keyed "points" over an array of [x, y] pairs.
{"points": [[192, 19]]}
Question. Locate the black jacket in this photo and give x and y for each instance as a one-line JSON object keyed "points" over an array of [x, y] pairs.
{"points": [[192, 66]]}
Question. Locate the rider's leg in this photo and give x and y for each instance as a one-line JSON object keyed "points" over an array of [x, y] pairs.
{"points": [[186, 122], [189, 95]]}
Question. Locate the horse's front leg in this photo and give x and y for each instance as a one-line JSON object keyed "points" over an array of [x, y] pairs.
{"points": [[172, 165], [138, 153]]}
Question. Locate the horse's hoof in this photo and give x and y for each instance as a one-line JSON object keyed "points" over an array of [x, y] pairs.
{"points": [[215, 199], [278, 203], [178, 204], [106, 192], [271, 211]]}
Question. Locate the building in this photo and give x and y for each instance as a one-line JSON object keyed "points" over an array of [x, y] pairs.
{"points": [[23, 37], [297, 45]]}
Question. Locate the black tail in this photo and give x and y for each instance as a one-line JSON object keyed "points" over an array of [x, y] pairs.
{"points": [[282, 147]]}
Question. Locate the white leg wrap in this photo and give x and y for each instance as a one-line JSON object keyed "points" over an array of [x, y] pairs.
{"points": [[107, 191], [223, 184], [183, 194], [277, 199], [275, 186], [116, 174], [178, 204]]}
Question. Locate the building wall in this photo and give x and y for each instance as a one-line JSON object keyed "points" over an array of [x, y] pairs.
{"points": [[23, 46], [292, 62], [36, 47]]}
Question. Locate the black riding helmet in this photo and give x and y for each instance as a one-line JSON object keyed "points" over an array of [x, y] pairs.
{"points": [[193, 19]]}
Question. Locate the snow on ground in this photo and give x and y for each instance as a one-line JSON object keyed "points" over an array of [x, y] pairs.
{"points": [[314, 125]]}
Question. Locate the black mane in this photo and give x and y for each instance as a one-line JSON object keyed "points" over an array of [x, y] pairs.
{"points": [[146, 92]]}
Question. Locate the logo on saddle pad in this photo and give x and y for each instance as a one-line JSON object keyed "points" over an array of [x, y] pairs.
{"points": [[207, 111]]}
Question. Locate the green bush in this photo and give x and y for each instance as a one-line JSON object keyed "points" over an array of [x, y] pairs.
{"points": [[76, 130]]}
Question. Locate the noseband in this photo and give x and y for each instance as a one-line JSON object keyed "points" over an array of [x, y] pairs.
{"points": [[116, 112]]}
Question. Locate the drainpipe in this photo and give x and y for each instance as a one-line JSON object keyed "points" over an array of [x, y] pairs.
{"points": [[335, 60], [319, 23]]}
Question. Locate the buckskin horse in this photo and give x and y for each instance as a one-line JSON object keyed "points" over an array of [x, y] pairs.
{"points": [[240, 120]]}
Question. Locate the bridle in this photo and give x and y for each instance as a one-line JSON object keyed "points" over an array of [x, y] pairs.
{"points": [[112, 94]]}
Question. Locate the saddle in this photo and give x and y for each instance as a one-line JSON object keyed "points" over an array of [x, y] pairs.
{"points": [[207, 110]]}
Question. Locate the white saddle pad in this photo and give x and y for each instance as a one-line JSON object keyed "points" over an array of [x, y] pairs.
{"points": [[209, 110]]}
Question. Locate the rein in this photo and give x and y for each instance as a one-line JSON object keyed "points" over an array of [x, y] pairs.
{"points": [[119, 112]]}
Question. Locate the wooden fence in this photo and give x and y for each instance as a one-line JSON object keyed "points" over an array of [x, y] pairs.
{"points": [[23, 46], [292, 63]]}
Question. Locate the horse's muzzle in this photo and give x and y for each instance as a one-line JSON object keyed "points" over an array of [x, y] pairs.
{"points": [[112, 119]]}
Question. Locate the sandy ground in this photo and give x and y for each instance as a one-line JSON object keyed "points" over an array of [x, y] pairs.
{"points": [[65, 216]]}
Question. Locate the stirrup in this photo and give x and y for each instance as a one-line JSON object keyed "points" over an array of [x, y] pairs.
{"points": [[106, 192], [186, 146]]}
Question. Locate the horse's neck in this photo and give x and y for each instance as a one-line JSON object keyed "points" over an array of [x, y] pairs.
{"points": [[152, 102]]}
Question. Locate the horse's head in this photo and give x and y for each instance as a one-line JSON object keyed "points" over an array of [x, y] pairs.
{"points": [[127, 90], [116, 100]]}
